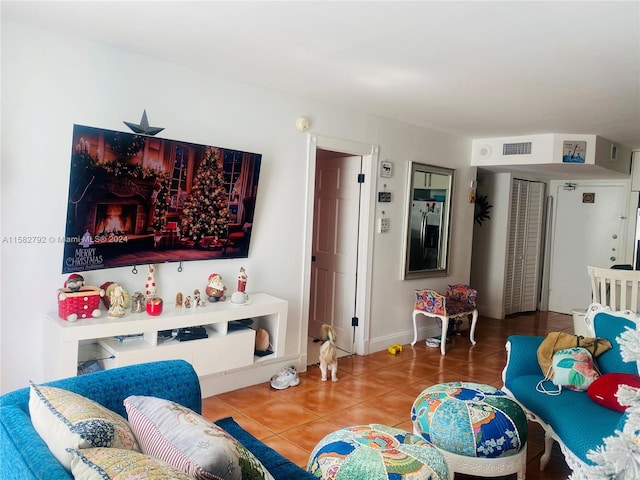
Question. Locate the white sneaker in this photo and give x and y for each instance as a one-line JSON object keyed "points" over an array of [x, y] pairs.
{"points": [[286, 377]]}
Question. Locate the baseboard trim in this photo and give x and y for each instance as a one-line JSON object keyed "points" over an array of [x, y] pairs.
{"points": [[246, 377]]}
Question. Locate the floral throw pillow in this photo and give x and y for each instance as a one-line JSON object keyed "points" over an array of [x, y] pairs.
{"points": [[117, 464], [573, 368], [190, 442], [65, 420]]}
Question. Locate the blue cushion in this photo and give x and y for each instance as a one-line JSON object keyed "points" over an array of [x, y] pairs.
{"points": [[522, 357], [563, 412], [19, 440], [278, 466], [171, 379], [611, 327]]}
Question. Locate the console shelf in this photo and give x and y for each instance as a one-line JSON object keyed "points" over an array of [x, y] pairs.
{"points": [[222, 351]]}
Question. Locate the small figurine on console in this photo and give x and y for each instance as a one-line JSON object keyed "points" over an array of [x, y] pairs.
{"points": [[187, 302], [215, 288], [242, 280], [240, 296], [76, 300], [197, 299], [121, 294], [117, 301], [179, 299], [137, 303]]}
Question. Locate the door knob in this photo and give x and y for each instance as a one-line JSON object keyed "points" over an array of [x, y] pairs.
{"points": [[614, 236], [612, 258]]}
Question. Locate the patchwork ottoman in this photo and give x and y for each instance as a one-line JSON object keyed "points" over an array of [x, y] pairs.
{"points": [[376, 452], [477, 428]]}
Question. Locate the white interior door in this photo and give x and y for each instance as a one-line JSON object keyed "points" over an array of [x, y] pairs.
{"points": [[335, 246], [589, 226]]}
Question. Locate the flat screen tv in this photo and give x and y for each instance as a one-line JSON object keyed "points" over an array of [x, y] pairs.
{"points": [[136, 199]]}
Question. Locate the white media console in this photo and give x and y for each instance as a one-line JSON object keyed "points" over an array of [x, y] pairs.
{"points": [[224, 349]]}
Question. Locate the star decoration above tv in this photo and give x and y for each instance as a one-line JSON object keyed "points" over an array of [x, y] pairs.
{"points": [[136, 199], [143, 127]]}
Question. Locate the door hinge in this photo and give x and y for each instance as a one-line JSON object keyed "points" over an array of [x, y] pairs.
{"points": [[361, 178], [354, 321]]}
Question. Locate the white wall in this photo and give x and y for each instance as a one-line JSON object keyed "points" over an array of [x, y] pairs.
{"points": [[50, 82], [393, 298], [490, 241]]}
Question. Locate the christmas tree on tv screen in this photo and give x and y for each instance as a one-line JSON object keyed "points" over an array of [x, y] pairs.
{"points": [[206, 213]]}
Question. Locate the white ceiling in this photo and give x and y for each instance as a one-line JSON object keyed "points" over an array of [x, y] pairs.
{"points": [[477, 69]]}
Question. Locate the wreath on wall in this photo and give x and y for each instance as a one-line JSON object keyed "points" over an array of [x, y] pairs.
{"points": [[482, 209]]}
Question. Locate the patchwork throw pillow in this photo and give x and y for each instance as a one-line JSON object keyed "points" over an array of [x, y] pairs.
{"points": [[67, 420], [118, 464], [603, 390], [190, 442]]}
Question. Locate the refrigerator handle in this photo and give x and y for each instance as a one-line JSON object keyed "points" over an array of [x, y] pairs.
{"points": [[423, 234]]}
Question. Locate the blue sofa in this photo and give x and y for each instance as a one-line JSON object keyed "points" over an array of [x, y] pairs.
{"points": [[572, 419], [24, 455]]}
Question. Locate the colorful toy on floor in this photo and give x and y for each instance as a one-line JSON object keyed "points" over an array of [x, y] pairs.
{"points": [[394, 349]]}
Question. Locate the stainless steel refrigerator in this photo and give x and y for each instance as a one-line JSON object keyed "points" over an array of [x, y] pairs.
{"points": [[426, 222]]}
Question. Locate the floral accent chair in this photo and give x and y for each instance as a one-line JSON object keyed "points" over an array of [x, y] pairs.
{"points": [[460, 301]]}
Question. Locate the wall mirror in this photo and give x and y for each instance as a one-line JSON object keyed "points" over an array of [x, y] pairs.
{"points": [[429, 190]]}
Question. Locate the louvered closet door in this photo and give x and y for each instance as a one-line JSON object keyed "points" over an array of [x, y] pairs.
{"points": [[524, 247]]}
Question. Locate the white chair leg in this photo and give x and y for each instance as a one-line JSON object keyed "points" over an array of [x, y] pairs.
{"points": [[415, 328], [472, 332], [443, 337]]}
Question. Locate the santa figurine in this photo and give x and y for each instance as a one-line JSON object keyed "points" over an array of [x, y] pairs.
{"points": [[242, 280], [215, 288], [75, 282]]}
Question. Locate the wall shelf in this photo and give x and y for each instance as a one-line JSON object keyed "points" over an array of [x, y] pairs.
{"points": [[222, 351]]}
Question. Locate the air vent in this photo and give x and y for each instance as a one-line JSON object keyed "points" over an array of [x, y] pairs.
{"points": [[522, 148]]}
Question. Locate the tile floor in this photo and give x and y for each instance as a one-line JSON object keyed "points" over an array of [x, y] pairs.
{"points": [[381, 388]]}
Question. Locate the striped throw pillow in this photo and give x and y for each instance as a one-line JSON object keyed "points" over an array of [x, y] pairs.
{"points": [[190, 442]]}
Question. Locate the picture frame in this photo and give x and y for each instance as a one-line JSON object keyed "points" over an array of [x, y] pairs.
{"points": [[574, 151], [386, 169]]}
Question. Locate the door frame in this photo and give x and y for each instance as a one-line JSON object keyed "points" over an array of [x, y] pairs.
{"points": [[369, 154]]}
